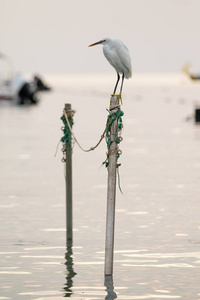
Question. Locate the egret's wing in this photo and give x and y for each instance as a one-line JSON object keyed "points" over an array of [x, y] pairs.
{"points": [[124, 57]]}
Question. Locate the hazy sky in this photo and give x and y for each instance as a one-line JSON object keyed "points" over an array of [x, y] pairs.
{"points": [[53, 35]]}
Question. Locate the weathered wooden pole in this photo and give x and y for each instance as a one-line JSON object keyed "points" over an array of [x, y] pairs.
{"points": [[111, 192], [68, 177], [197, 114]]}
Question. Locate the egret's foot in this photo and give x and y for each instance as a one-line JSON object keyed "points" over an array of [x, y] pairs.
{"points": [[119, 98]]}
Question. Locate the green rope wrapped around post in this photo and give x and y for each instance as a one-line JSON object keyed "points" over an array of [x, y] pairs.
{"points": [[67, 138], [110, 120]]}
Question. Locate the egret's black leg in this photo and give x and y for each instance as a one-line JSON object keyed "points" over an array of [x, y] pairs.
{"points": [[118, 78], [119, 97], [122, 83]]}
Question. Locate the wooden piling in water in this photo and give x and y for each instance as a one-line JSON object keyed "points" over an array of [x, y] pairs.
{"points": [[111, 193], [68, 177], [197, 114]]}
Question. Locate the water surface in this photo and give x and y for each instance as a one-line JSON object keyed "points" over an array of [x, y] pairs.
{"points": [[157, 234]]}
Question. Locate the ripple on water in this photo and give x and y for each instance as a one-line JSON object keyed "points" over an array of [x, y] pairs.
{"points": [[149, 296]]}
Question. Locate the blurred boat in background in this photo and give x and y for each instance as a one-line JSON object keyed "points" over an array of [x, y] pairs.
{"points": [[6, 77], [14, 85]]}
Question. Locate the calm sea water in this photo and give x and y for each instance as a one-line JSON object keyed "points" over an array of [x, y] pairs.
{"points": [[157, 230]]}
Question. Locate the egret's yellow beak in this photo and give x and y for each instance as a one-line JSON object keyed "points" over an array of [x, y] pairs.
{"points": [[97, 43]]}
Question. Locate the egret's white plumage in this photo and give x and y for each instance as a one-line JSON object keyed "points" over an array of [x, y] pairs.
{"points": [[118, 56]]}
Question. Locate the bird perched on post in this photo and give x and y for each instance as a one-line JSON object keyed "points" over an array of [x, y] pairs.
{"points": [[118, 56]]}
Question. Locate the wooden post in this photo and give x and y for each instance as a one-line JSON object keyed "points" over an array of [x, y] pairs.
{"points": [[111, 191], [69, 205], [197, 114]]}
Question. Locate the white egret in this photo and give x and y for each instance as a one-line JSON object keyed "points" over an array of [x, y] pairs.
{"points": [[118, 56]]}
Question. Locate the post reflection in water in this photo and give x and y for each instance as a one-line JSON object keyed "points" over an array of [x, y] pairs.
{"points": [[109, 288], [70, 271]]}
